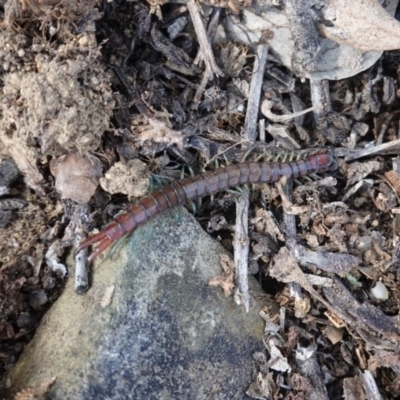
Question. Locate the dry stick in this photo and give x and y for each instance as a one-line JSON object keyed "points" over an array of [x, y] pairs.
{"points": [[382, 149], [205, 52], [320, 95], [80, 258], [241, 239], [289, 221], [253, 105]]}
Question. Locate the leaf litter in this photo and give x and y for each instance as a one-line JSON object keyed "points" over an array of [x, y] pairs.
{"points": [[98, 100]]}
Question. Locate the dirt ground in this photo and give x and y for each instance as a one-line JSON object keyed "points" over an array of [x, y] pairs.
{"points": [[102, 101]]}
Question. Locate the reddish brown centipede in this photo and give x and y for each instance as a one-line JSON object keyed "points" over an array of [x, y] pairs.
{"points": [[204, 184]]}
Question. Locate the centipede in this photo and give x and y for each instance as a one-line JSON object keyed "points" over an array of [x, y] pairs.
{"points": [[205, 184]]}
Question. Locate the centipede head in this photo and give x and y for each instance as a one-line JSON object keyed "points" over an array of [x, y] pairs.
{"points": [[324, 160]]}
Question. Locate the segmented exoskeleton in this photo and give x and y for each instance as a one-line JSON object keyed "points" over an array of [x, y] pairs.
{"points": [[204, 184]]}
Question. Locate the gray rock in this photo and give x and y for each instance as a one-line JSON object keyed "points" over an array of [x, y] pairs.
{"points": [[165, 335]]}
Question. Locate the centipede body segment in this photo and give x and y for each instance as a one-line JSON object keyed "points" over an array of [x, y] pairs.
{"points": [[201, 185]]}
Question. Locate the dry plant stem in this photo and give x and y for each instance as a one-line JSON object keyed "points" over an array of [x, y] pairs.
{"points": [[241, 242], [205, 52], [261, 129], [320, 95], [266, 110], [81, 270], [289, 221], [241, 251], [253, 103], [80, 258], [392, 147], [307, 363]]}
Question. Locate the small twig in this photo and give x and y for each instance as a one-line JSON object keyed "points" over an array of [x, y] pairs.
{"points": [[382, 149], [253, 104], [80, 258], [241, 241], [267, 106], [81, 271], [205, 53], [289, 221], [320, 95], [241, 244]]}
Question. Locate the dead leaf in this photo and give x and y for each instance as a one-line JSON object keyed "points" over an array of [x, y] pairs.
{"points": [[107, 296], [383, 358], [352, 389], [358, 171], [77, 176], [225, 281], [333, 334], [394, 179], [36, 394], [158, 129], [265, 223], [301, 306], [361, 24], [262, 387], [277, 362]]}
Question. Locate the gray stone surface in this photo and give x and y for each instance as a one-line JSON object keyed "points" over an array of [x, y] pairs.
{"points": [[165, 335]]}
